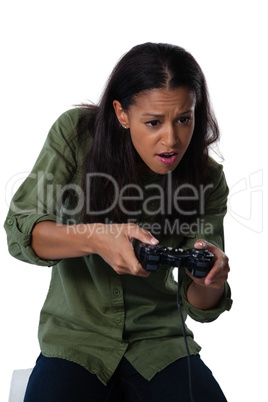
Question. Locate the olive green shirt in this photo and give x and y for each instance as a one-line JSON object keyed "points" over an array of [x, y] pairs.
{"points": [[92, 315]]}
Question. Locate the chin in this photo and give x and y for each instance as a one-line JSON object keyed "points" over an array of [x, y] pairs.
{"points": [[164, 171]]}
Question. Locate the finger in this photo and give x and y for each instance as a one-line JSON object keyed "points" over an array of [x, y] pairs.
{"points": [[128, 262], [138, 270], [201, 244], [138, 233], [220, 269], [134, 265], [219, 272], [135, 269]]}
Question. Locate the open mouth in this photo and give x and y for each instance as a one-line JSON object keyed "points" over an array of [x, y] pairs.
{"points": [[167, 157], [167, 154]]}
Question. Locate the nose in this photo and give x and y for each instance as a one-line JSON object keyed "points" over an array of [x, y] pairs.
{"points": [[169, 137]]}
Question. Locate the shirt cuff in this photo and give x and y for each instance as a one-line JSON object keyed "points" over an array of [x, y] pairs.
{"points": [[206, 315], [19, 240]]}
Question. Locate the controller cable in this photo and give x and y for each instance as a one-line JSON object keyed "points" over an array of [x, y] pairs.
{"points": [[185, 338]]}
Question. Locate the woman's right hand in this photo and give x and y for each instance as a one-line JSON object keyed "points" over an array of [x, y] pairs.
{"points": [[113, 242]]}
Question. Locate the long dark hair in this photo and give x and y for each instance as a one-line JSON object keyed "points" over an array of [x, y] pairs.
{"points": [[144, 67]]}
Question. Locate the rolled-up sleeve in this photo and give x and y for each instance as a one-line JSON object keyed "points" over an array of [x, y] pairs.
{"points": [[40, 197], [205, 315], [19, 240]]}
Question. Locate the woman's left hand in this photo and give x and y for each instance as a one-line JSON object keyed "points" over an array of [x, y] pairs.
{"points": [[220, 269]]}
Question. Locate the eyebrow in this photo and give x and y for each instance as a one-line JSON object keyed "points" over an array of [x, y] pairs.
{"points": [[162, 115]]}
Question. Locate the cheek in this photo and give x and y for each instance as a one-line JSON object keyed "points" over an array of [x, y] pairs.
{"points": [[139, 137], [142, 146]]}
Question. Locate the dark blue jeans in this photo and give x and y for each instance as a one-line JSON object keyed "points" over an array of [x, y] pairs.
{"points": [[58, 380]]}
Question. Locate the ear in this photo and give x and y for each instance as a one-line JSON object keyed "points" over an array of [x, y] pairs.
{"points": [[121, 114]]}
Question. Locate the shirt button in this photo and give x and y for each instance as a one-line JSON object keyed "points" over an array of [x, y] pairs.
{"points": [[118, 320], [10, 222], [116, 292], [122, 343]]}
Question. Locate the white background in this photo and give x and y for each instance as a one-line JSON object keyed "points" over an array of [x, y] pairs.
{"points": [[59, 53]]}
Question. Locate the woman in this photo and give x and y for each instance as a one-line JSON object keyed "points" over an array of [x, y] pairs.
{"points": [[134, 168]]}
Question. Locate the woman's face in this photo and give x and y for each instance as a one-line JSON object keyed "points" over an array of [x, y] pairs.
{"points": [[161, 124]]}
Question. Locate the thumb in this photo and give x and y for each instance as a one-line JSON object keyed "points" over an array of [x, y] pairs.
{"points": [[200, 244]]}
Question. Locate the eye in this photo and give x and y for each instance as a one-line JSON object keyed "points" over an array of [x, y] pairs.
{"points": [[152, 123], [184, 120]]}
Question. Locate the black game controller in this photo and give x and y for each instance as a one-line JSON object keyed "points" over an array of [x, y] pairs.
{"points": [[198, 262]]}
